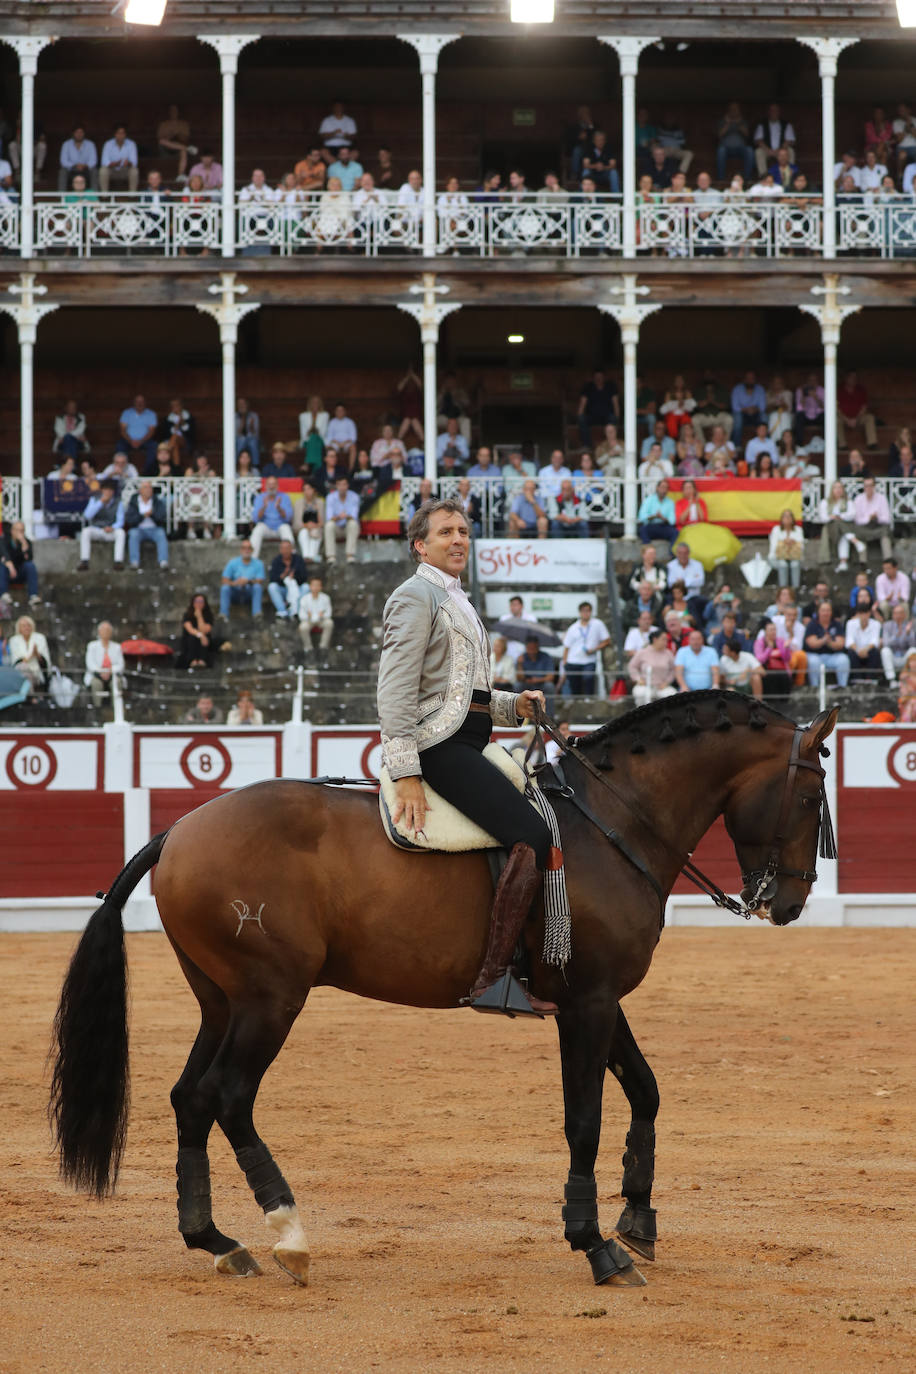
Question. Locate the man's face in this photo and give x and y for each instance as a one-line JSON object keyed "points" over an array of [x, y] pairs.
{"points": [[205, 706], [585, 612], [452, 428], [484, 457], [415, 180], [531, 647], [339, 412], [750, 379], [790, 615], [344, 155], [682, 554], [315, 585], [154, 181], [120, 134], [146, 491], [728, 624], [271, 482], [341, 486], [140, 403], [257, 177], [645, 620], [120, 461], [246, 550], [515, 604], [649, 554], [79, 182], [703, 182], [556, 459], [516, 180], [695, 641], [825, 613], [529, 489], [447, 543], [278, 456], [286, 548], [868, 486], [898, 614]]}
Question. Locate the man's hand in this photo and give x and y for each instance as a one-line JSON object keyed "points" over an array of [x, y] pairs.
{"points": [[524, 704], [411, 803]]}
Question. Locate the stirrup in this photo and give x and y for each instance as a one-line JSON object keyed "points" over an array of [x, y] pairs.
{"points": [[505, 997]]}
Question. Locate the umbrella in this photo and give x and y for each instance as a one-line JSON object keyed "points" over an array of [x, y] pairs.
{"points": [[711, 544], [521, 630], [143, 648]]}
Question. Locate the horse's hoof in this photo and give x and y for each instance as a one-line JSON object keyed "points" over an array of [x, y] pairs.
{"points": [[644, 1248], [239, 1264], [626, 1278], [295, 1263]]}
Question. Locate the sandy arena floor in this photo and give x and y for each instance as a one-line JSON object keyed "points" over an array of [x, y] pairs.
{"points": [[427, 1154]]}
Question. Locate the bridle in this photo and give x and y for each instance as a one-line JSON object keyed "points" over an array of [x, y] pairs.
{"points": [[763, 879]]}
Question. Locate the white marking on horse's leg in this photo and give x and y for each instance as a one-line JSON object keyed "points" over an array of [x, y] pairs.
{"points": [[291, 1250]]}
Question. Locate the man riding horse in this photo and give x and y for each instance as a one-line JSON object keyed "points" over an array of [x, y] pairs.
{"points": [[437, 710]]}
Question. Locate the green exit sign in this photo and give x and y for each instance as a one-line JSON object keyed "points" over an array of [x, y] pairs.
{"points": [[522, 381], [524, 118]]}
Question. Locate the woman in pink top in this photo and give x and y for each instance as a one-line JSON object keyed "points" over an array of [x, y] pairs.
{"points": [[776, 657], [652, 670]]}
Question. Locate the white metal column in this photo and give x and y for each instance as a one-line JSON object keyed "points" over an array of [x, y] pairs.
{"points": [[228, 315], [628, 50], [429, 46], [429, 314], [28, 314], [828, 51], [830, 316], [28, 49], [228, 46], [629, 316]]}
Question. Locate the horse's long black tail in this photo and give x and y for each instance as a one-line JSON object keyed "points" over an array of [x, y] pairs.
{"points": [[90, 1087]]}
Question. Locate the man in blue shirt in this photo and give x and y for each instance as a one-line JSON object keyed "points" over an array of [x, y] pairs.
{"points": [[272, 515], [749, 405], [527, 517], [341, 520], [453, 442], [104, 519], [536, 670], [138, 431], [696, 665], [346, 168], [655, 519], [243, 581]]}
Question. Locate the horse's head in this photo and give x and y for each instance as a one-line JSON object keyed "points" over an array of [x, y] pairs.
{"points": [[774, 818]]}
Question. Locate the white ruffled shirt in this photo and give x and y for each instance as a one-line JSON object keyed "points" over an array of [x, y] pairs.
{"points": [[460, 599]]}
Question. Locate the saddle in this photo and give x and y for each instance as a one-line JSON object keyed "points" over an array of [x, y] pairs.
{"points": [[447, 829]]}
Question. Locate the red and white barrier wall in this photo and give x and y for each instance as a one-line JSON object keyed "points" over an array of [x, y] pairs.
{"points": [[75, 805]]}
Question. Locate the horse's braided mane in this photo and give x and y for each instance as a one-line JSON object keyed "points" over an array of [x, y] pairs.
{"points": [[654, 721]]}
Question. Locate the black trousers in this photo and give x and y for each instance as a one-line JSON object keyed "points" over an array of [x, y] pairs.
{"points": [[458, 771]]}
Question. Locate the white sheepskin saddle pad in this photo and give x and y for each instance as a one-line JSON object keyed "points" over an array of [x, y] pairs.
{"points": [[447, 829]]}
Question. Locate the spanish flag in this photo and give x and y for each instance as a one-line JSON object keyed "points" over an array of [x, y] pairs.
{"points": [[747, 505], [384, 515]]}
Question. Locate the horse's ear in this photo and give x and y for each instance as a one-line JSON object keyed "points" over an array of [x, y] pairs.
{"points": [[819, 729]]}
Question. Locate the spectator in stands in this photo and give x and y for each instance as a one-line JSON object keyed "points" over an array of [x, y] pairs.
{"points": [[516, 469], [855, 465], [103, 519], [568, 518], [527, 517], [247, 430], [279, 466], [311, 171], [387, 451], [861, 584], [898, 638], [517, 618], [410, 401], [610, 456], [104, 662], [453, 403], [646, 600], [410, 196], [901, 462], [872, 517], [774, 656], [686, 611], [657, 516], [502, 665], [204, 713], [29, 653], [863, 641], [852, 410], [346, 168], [173, 135], [749, 405], [483, 466], [599, 405], [782, 172], [137, 425], [659, 435], [470, 504], [809, 407], [892, 587], [652, 669], [313, 429], [119, 161], [199, 641], [582, 643], [120, 470], [761, 443], [552, 474], [244, 467], [597, 162], [906, 701], [78, 156], [316, 617], [683, 567], [689, 455], [696, 664], [904, 128], [244, 712], [341, 520], [385, 174], [536, 670], [690, 508], [209, 170], [654, 466], [670, 137], [836, 514], [871, 176], [732, 135], [825, 645], [648, 570], [659, 173], [145, 519], [327, 474], [772, 134], [310, 522], [287, 575], [728, 631], [272, 515], [739, 669], [638, 635], [787, 545], [452, 442], [17, 562], [368, 199], [713, 411], [341, 433], [178, 430], [70, 432], [242, 581], [337, 130]]}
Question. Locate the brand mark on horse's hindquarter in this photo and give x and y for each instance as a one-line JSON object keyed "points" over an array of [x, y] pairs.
{"points": [[241, 910]]}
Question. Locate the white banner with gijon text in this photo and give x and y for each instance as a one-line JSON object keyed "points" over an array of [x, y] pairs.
{"points": [[579, 562]]}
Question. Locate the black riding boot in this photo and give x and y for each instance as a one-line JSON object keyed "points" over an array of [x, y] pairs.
{"points": [[516, 890]]}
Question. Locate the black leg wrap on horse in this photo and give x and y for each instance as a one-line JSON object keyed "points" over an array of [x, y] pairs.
{"points": [[269, 1186], [608, 1259], [193, 1183], [581, 1212], [639, 1162], [638, 1223]]}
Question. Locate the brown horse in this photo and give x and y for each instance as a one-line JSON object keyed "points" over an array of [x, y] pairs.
{"points": [[272, 890]]}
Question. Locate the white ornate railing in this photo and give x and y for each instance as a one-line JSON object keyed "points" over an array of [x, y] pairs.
{"points": [[887, 228], [9, 226], [95, 225], [738, 227], [10, 500]]}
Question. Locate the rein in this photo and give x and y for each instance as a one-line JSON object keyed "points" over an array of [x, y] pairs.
{"points": [[763, 878]]}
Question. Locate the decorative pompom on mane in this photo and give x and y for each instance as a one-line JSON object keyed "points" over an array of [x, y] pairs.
{"points": [[756, 720], [637, 747], [666, 733], [723, 719], [691, 724]]}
